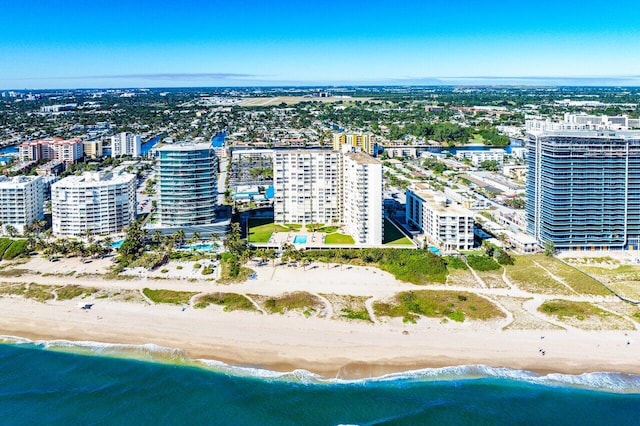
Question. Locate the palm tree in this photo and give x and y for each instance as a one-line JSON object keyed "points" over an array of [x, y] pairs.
{"points": [[157, 236]]}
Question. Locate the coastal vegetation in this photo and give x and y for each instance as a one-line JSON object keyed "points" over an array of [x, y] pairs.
{"points": [[297, 301], [337, 238], [455, 306], [567, 308], [10, 248], [168, 296], [230, 301], [69, 292], [414, 266]]}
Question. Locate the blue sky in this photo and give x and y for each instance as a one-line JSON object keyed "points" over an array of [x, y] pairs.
{"points": [[98, 43]]}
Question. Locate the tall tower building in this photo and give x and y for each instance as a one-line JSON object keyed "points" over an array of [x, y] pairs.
{"points": [[126, 143], [583, 187], [187, 182]]}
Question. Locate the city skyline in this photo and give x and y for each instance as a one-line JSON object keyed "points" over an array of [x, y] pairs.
{"points": [[158, 44]]}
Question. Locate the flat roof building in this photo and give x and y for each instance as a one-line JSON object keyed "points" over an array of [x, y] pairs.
{"points": [[93, 203], [21, 201]]}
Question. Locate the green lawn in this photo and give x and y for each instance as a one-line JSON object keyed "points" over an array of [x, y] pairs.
{"points": [[260, 230], [339, 239], [393, 236]]}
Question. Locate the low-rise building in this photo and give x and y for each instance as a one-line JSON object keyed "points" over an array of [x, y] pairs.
{"points": [[93, 203], [441, 222], [21, 201]]}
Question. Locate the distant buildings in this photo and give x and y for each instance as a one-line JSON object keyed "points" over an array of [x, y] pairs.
{"points": [[187, 182], [21, 201], [583, 187], [126, 143], [67, 151], [58, 108], [478, 157], [362, 141], [443, 223], [92, 149], [331, 188], [93, 203]]}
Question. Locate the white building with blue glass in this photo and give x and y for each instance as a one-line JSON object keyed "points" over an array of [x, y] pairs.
{"points": [[583, 187]]}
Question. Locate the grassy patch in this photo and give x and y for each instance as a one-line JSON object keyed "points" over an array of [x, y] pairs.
{"points": [[295, 227], [360, 314], [168, 296], [530, 277], [298, 301], [339, 239], [230, 301], [567, 308], [147, 260], [17, 248], [232, 271], [456, 306], [72, 291], [455, 262], [4, 245], [328, 229], [482, 263], [576, 279], [260, 230], [38, 292], [414, 266], [17, 272], [393, 236]]}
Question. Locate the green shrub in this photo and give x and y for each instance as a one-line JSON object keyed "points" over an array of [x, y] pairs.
{"points": [[207, 270], [482, 263], [4, 245], [168, 296], [17, 248], [230, 301]]}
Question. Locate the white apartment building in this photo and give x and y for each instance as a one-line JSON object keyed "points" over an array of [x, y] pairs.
{"points": [[94, 203], [126, 143], [21, 201], [362, 198], [329, 187], [477, 157], [67, 151], [443, 223], [307, 186]]}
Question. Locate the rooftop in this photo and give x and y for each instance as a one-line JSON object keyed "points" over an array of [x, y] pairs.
{"points": [[438, 202], [184, 146], [362, 158], [88, 179]]}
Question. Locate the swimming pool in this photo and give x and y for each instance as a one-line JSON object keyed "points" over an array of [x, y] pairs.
{"points": [[117, 244], [199, 247], [300, 239], [434, 250]]}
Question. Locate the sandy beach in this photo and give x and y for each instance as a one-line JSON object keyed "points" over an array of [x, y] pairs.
{"points": [[323, 345]]}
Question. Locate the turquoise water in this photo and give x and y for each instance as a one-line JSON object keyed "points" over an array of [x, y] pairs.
{"points": [[59, 387], [117, 244], [434, 250], [300, 239], [199, 247]]}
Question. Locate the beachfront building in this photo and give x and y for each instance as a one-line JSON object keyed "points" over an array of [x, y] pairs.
{"points": [[126, 143], [362, 141], [582, 187], [307, 186], [362, 198], [440, 221], [21, 201], [68, 151], [93, 203], [331, 188], [187, 185]]}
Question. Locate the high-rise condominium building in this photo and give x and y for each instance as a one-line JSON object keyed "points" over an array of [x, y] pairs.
{"points": [[187, 182], [306, 186], [443, 222], [362, 198], [94, 203], [329, 187], [67, 151], [126, 143], [21, 201], [583, 187], [362, 141]]}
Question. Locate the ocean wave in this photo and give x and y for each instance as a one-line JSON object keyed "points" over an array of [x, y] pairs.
{"points": [[600, 381]]}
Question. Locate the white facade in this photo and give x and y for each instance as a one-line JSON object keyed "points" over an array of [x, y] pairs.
{"points": [[331, 188], [362, 198], [126, 143], [307, 186], [443, 223], [21, 201], [95, 203], [477, 157]]}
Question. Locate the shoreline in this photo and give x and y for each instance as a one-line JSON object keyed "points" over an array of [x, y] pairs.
{"points": [[328, 348]]}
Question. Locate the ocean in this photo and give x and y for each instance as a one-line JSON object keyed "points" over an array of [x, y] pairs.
{"points": [[59, 383]]}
